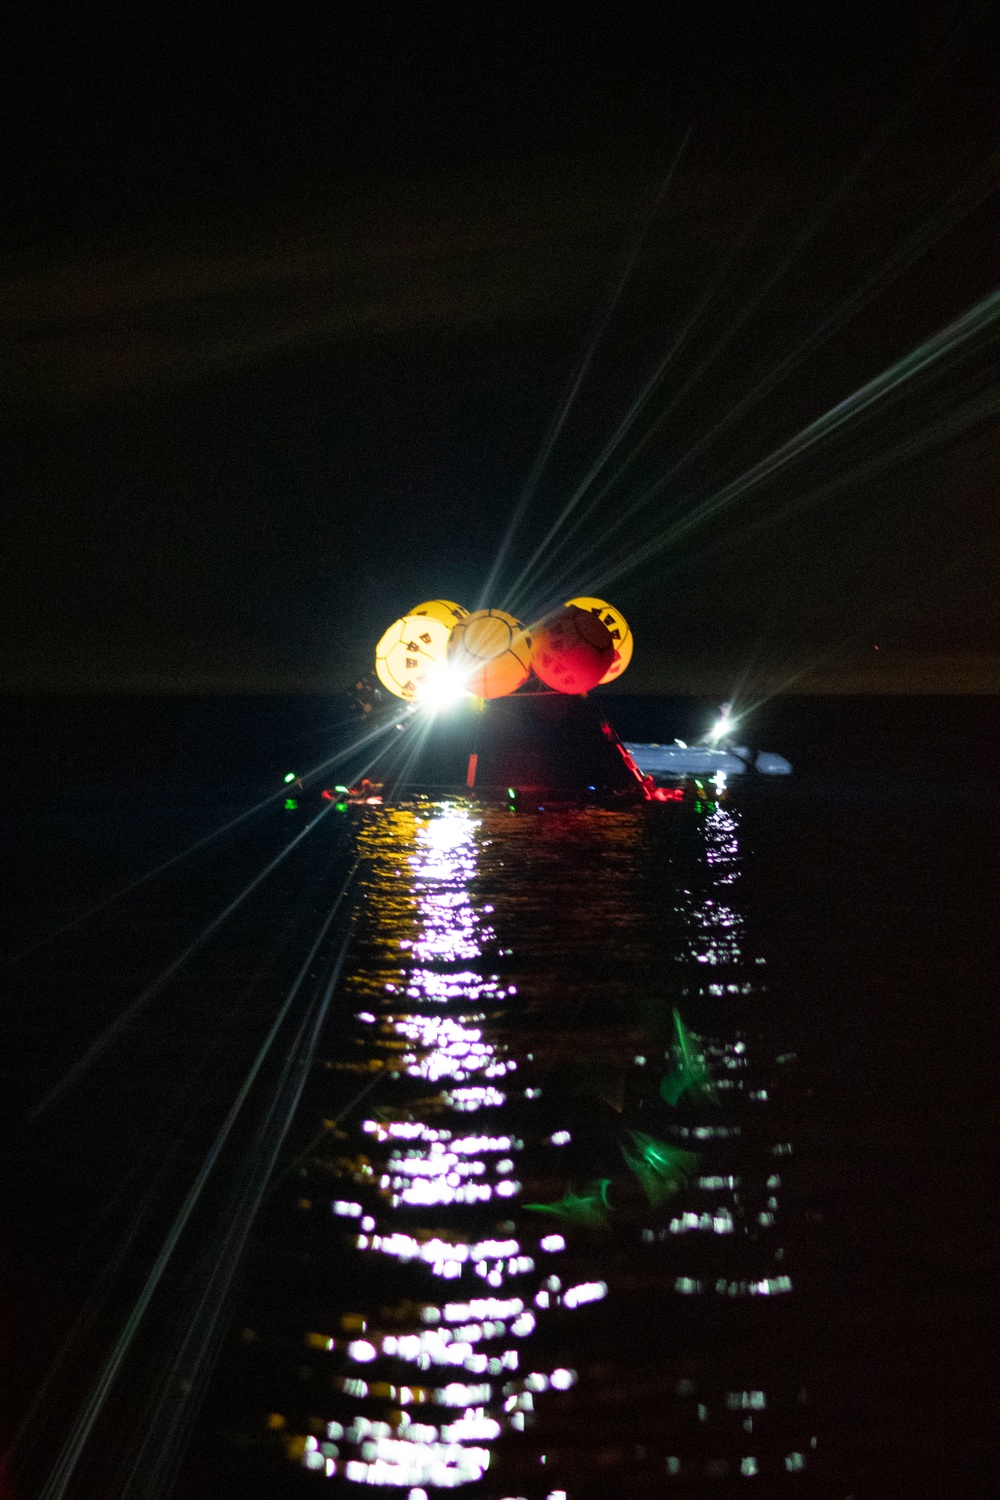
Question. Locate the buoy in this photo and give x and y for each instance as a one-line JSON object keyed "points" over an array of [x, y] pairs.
{"points": [[490, 653], [617, 625], [572, 651], [411, 654]]}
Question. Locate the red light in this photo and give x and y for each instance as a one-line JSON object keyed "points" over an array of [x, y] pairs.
{"points": [[668, 794], [644, 781], [327, 796]]}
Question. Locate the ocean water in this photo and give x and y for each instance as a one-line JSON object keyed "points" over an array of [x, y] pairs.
{"points": [[389, 1183]]}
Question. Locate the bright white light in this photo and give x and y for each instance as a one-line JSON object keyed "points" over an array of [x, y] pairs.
{"points": [[394, 1461], [472, 1424], [361, 1350], [723, 726], [590, 1291], [481, 1307], [442, 687], [463, 1395]]}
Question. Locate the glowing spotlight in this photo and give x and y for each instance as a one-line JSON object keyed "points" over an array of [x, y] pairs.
{"points": [[443, 687], [724, 725]]}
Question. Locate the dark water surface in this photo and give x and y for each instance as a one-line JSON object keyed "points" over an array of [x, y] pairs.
{"points": [[357, 1292]]}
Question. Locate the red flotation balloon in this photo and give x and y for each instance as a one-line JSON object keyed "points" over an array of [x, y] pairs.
{"points": [[572, 650]]}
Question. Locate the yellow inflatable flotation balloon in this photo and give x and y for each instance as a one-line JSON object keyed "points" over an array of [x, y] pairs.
{"points": [[411, 655], [445, 610]]}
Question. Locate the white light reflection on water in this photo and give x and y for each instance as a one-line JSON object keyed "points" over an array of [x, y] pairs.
{"points": [[439, 1364], [417, 1160], [717, 935]]}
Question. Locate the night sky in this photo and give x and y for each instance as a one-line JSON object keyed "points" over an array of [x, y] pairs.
{"points": [[289, 305]]}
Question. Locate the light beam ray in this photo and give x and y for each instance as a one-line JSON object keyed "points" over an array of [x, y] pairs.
{"points": [[979, 186], [136, 1006], [976, 322], [576, 380], [176, 859], [809, 233], [932, 434], [62, 1472], [168, 1426], [622, 430]]}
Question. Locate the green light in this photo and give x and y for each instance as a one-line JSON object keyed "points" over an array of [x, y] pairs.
{"points": [[291, 803], [289, 777], [341, 806], [661, 1169], [588, 1209], [691, 1074], [511, 792], [341, 789], [697, 807]]}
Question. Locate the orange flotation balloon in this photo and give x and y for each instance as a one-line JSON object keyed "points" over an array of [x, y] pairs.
{"points": [[490, 653]]}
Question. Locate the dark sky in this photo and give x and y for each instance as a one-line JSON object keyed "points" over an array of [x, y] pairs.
{"points": [[289, 305]]}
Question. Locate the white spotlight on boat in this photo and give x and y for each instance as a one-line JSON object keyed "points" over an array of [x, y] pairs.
{"points": [[724, 725]]}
